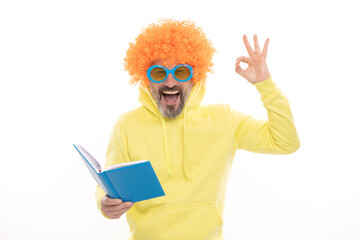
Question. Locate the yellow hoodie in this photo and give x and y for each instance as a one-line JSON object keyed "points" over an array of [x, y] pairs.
{"points": [[192, 156]]}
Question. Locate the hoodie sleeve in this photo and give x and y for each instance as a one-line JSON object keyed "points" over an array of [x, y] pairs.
{"points": [[116, 153], [277, 135]]}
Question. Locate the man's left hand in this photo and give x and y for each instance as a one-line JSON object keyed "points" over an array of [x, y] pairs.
{"points": [[257, 69]]}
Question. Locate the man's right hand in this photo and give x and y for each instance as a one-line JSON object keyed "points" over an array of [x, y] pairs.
{"points": [[114, 208]]}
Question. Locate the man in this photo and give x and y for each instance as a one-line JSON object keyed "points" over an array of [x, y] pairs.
{"points": [[190, 146]]}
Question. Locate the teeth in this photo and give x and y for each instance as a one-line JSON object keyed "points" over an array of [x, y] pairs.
{"points": [[168, 92]]}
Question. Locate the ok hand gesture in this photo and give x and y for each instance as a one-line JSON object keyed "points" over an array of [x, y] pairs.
{"points": [[257, 69]]}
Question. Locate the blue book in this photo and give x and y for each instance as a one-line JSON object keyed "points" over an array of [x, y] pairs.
{"points": [[132, 181]]}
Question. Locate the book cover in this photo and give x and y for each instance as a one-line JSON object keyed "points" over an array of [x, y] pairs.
{"points": [[134, 181]]}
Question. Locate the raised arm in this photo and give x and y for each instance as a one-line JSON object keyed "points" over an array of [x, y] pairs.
{"points": [[278, 134]]}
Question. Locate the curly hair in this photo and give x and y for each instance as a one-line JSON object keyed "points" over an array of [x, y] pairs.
{"points": [[183, 41]]}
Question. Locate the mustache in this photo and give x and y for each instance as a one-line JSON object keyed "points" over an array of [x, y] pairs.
{"points": [[166, 88]]}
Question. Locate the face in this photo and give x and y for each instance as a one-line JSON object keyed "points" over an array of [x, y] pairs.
{"points": [[170, 95]]}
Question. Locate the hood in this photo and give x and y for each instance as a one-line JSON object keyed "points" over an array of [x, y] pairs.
{"points": [[196, 95]]}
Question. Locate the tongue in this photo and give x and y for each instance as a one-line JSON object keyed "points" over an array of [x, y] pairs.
{"points": [[170, 98]]}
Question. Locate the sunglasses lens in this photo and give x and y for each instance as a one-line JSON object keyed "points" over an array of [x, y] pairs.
{"points": [[182, 73], [158, 74]]}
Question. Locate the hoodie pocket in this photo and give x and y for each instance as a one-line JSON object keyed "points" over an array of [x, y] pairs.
{"points": [[200, 221]]}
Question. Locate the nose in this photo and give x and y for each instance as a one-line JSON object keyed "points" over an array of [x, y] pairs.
{"points": [[170, 81]]}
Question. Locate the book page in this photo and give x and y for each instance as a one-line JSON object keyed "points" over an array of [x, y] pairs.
{"points": [[91, 160], [125, 164]]}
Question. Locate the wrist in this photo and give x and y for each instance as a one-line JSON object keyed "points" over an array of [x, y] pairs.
{"points": [[263, 79]]}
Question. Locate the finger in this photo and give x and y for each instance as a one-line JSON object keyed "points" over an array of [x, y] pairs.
{"points": [[114, 215], [248, 46], [110, 201], [116, 211], [266, 46], [256, 44], [122, 206], [128, 204], [242, 59], [238, 69]]}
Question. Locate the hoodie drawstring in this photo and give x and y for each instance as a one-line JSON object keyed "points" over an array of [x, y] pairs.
{"points": [[187, 174], [165, 137], [167, 161], [195, 97]]}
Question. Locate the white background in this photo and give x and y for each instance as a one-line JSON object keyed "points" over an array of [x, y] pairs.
{"points": [[63, 82]]}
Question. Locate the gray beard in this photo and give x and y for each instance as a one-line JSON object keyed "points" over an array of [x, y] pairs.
{"points": [[169, 111]]}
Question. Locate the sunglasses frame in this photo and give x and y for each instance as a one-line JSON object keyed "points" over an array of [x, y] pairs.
{"points": [[172, 71]]}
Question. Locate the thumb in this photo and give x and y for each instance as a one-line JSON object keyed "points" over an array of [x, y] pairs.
{"points": [[238, 69], [242, 59], [110, 201]]}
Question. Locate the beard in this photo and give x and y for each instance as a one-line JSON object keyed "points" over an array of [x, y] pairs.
{"points": [[169, 111]]}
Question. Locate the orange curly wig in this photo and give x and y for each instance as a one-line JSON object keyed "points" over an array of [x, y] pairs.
{"points": [[183, 41]]}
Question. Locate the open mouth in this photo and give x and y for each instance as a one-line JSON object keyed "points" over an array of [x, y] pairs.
{"points": [[170, 97]]}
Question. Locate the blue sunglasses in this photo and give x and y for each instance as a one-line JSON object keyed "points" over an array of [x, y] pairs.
{"points": [[159, 73]]}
